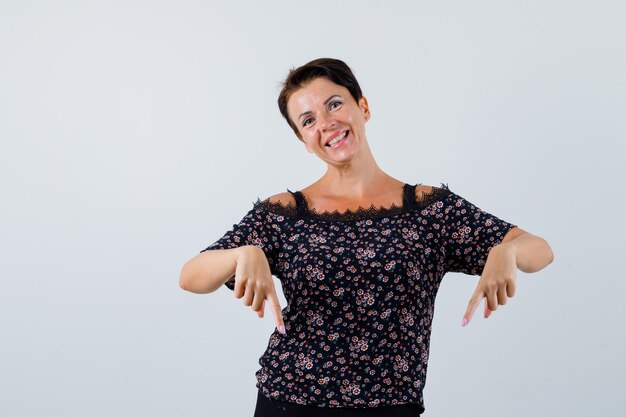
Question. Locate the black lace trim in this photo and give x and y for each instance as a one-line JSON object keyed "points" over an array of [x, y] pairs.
{"points": [[290, 209]]}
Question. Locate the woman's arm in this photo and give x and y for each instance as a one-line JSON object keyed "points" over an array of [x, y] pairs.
{"points": [[208, 271], [532, 253]]}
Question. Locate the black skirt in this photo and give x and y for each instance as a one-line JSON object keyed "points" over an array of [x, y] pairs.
{"points": [[267, 407]]}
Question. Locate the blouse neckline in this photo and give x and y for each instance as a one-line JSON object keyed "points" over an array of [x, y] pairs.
{"points": [[301, 209]]}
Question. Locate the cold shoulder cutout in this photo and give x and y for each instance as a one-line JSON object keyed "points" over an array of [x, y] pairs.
{"points": [[422, 192], [283, 199], [414, 197]]}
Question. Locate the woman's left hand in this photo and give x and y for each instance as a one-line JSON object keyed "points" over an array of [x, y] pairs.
{"points": [[496, 283]]}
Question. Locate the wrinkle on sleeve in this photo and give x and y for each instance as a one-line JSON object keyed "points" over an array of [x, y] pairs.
{"points": [[469, 233], [256, 228]]}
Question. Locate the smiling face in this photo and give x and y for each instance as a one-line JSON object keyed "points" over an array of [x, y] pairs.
{"points": [[330, 123]]}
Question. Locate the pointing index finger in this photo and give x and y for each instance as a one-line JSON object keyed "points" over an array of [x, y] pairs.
{"points": [[274, 303], [471, 308]]}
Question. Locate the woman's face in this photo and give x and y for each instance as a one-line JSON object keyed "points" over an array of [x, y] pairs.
{"points": [[324, 112]]}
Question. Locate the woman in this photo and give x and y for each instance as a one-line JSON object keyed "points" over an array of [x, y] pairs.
{"points": [[360, 255]]}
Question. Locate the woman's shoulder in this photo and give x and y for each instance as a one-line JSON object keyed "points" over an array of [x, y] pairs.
{"points": [[281, 202], [284, 199], [425, 192], [422, 190]]}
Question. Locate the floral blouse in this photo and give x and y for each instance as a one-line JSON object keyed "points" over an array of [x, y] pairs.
{"points": [[360, 289]]}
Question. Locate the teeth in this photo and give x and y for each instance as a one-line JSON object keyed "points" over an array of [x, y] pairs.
{"points": [[337, 139]]}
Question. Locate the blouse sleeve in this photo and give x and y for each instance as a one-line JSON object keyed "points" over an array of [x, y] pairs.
{"points": [[256, 228], [469, 233]]}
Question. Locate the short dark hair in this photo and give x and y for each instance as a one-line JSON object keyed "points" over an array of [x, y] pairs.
{"points": [[334, 69]]}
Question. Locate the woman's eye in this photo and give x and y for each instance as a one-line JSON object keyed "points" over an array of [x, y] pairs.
{"points": [[335, 104], [306, 122]]}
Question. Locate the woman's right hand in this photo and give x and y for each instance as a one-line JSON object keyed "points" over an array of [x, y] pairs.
{"points": [[253, 282]]}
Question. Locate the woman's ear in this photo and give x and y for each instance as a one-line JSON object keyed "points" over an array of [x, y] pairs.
{"points": [[365, 108]]}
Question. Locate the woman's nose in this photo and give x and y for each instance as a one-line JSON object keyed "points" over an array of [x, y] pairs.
{"points": [[327, 122]]}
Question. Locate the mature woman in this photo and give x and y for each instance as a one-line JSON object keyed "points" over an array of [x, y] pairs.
{"points": [[360, 256]]}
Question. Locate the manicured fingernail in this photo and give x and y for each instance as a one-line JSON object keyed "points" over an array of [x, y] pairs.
{"points": [[464, 322], [281, 329]]}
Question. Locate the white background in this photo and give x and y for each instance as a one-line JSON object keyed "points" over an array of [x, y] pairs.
{"points": [[135, 133]]}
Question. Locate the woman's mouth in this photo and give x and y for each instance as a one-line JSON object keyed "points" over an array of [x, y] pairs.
{"points": [[338, 140]]}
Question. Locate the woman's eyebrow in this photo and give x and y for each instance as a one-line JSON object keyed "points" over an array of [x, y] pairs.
{"points": [[325, 102], [331, 97]]}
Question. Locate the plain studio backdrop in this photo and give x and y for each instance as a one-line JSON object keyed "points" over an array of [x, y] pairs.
{"points": [[136, 133]]}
